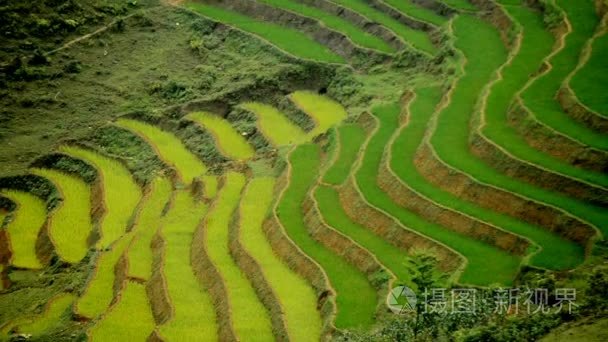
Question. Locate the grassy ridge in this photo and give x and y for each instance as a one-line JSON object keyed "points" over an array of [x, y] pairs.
{"points": [[193, 316], [71, 222], [481, 44], [556, 253], [537, 43], [49, 319], [275, 126], [287, 39], [357, 35], [418, 39], [409, 8], [99, 292], [140, 253], [230, 142], [249, 317], [356, 298], [540, 96], [121, 193], [351, 137], [23, 230], [460, 4], [591, 81], [324, 111], [129, 320], [300, 314], [504, 266]]}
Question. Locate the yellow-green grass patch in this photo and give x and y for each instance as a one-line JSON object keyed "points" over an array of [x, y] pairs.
{"points": [[229, 141], [99, 292], [193, 314], [249, 317], [300, 314], [324, 111], [130, 319], [275, 126], [140, 253], [70, 224], [169, 148], [28, 219], [121, 193], [45, 322]]}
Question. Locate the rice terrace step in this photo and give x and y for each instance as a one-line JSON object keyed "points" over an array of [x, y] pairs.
{"points": [[303, 170]]}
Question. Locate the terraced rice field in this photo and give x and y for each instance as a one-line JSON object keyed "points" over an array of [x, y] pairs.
{"points": [[540, 96], [140, 254], [229, 141], [356, 298], [367, 165], [357, 35], [192, 315], [247, 312], [120, 193], [415, 38], [277, 128], [300, 313], [23, 229], [70, 224], [289, 40]]}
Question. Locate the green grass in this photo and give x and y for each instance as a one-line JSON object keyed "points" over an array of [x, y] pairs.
{"points": [[48, 320], [390, 256], [249, 317], [28, 218], [229, 141], [169, 148], [139, 252], [409, 8], [478, 271], [351, 137], [120, 193], [290, 40], [299, 311], [275, 126], [70, 223], [194, 316], [99, 292], [324, 111], [536, 44], [357, 35], [418, 39], [481, 44], [540, 96], [356, 298], [556, 253], [128, 320], [591, 81]]}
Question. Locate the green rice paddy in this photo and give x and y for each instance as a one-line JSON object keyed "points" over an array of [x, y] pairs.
{"points": [[230, 142], [409, 8], [590, 82], [324, 111], [300, 313], [285, 38], [27, 220], [120, 193], [70, 224], [250, 319], [356, 297], [348, 144], [275, 126]]}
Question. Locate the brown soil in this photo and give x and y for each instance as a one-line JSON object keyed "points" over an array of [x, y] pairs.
{"points": [[572, 106]]}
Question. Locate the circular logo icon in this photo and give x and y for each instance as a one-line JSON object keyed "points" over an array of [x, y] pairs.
{"points": [[401, 300]]}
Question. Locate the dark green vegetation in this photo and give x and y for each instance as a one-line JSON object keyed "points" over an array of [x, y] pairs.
{"points": [[267, 169]]}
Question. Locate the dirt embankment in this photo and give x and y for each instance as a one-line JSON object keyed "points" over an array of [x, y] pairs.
{"points": [[573, 107], [400, 17], [391, 230], [437, 7], [450, 219], [487, 196]]}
